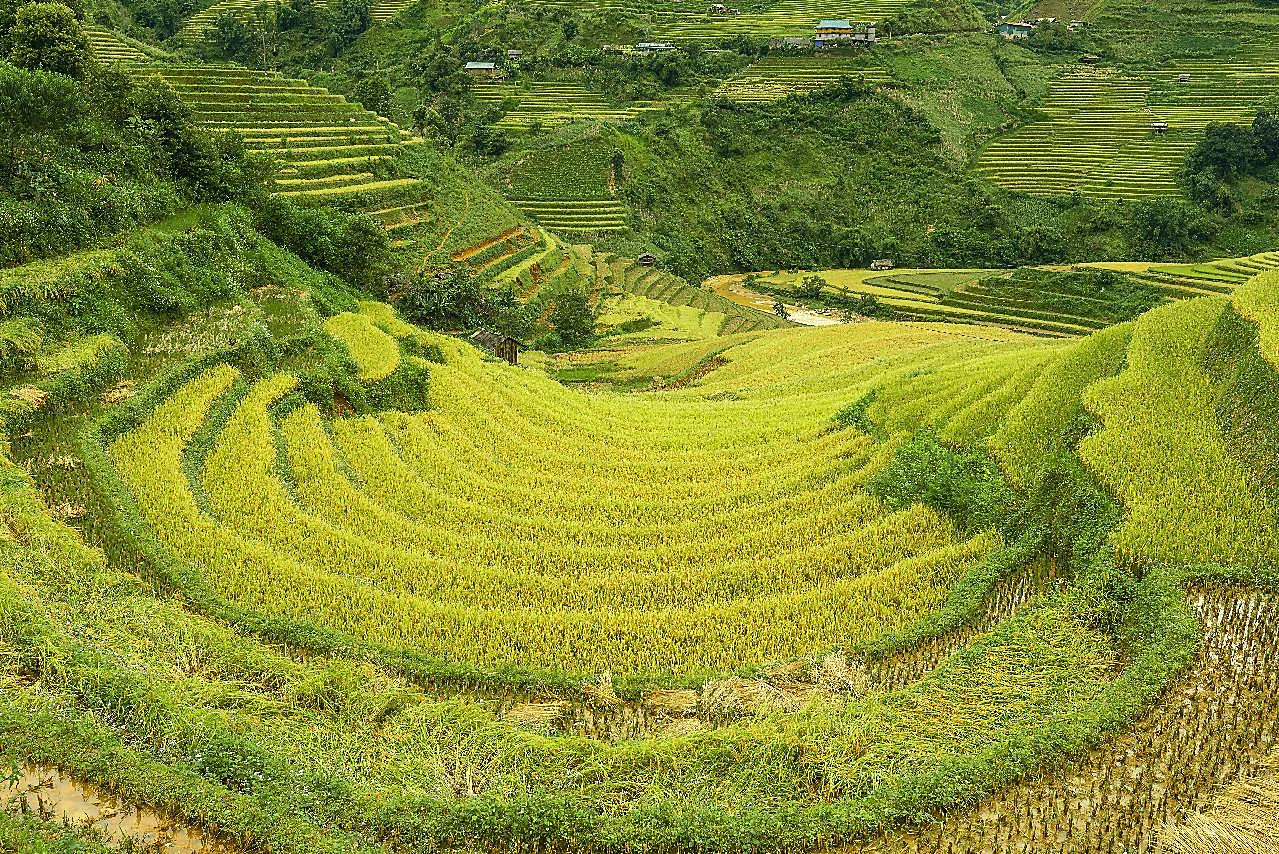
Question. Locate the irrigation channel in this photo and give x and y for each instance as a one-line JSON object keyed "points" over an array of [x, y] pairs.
{"points": [[49, 793]]}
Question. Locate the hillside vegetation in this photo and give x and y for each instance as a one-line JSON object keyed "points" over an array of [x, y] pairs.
{"points": [[725, 447], [794, 574]]}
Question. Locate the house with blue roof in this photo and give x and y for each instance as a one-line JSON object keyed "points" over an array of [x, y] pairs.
{"points": [[836, 31]]}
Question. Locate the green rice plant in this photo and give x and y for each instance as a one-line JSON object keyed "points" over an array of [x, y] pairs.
{"points": [[1161, 448], [1050, 419], [1259, 302], [375, 353], [528, 615], [707, 637]]}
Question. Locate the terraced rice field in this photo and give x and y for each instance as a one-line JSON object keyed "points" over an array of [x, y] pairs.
{"points": [[1098, 138], [200, 25], [382, 11], [999, 298], [533, 262], [1217, 277], [330, 149], [486, 596], [776, 77], [533, 259], [576, 216], [636, 590], [107, 47], [1218, 90], [549, 103], [621, 275], [781, 19]]}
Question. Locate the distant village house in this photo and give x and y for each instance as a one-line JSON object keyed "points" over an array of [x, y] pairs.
{"points": [[514, 55], [646, 259], [721, 9], [1015, 29], [480, 69], [834, 32], [882, 264], [654, 47], [503, 346], [1159, 127]]}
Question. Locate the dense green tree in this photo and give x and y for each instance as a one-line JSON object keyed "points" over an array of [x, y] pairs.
{"points": [[1226, 149], [48, 37], [348, 19], [811, 288], [1167, 227], [451, 298], [232, 35], [164, 17], [32, 102], [354, 246], [439, 70], [299, 15], [1265, 134], [572, 317], [264, 35], [374, 92], [83, 160], [1210, 190], [1055, 37]]}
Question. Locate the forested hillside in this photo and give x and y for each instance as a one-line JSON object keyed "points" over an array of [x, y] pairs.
{"points": [[635, 429]]}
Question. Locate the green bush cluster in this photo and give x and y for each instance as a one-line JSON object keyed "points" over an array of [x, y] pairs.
{"points": [[353, 246], [966, 485], [1227, 153], [85, 160]]}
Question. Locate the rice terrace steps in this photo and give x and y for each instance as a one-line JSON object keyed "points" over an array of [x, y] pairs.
{"points": [[381, 11], [549, 103], [1098, 138], [983, 561], [1056, 737], [533, 260], [775, 77], [110, 48], [576, 216], [200, 25], [330, 150], [1031, 300]]}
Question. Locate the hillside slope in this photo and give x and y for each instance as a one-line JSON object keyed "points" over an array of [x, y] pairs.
{"points": [[827, 587]]}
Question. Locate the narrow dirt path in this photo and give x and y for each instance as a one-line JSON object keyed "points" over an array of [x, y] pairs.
{"points": [[466, 211], [734, 289]]}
